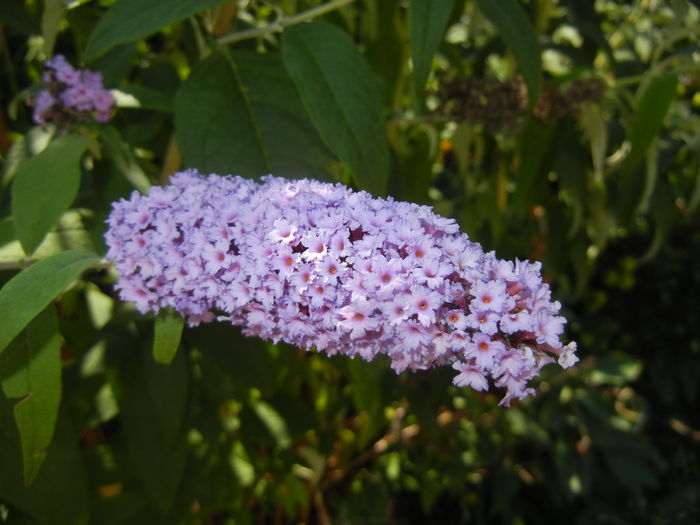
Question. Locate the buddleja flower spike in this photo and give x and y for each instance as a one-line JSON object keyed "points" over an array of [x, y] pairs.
{"points": [[320, 266]]}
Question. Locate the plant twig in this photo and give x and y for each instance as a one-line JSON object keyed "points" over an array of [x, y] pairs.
{"points": [[283, 22]]}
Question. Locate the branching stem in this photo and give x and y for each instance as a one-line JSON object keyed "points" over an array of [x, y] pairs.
{"points": [[283, 22]]}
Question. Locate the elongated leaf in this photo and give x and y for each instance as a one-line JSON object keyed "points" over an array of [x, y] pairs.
{"points": [[137, 96], [665, 213], [384, 47], [166, 339], [45, 187], [595, 129], [30, 369], [123, 159], [151, 400], [59, 494], [342, 98], [519, 36], [215, 124], [652, 106], [428, 22], [51, 23], [534, 142], [131, 20], [292, 144], [30, 291]]}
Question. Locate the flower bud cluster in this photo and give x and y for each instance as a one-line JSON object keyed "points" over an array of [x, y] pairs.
{"points": [[69, 95], [320, 266]]}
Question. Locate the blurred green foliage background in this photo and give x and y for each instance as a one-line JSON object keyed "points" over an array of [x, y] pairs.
{"points": [[556, 130]]}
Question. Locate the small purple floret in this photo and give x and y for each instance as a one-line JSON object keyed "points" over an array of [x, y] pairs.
{"points": [[320, 266], [71, 95]]}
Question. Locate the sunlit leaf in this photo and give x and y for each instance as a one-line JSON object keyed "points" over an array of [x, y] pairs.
{"points": [[342, 97], [167, 334], [130, 20], [138, 96], [215, 124], [30, 291], [292, 145], [45, 186]]}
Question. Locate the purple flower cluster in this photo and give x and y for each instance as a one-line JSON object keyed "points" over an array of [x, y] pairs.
{"points": [[69, 95], [320, 266]]}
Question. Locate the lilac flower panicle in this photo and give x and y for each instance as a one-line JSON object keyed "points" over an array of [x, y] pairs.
{"points": [[70, 95], [320, 266]]}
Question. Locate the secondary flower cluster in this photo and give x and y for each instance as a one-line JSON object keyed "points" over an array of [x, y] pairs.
{"points": [[69, 95], [320, 266]]}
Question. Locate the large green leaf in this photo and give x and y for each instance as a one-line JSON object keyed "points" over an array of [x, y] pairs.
{"points": [[291, 142], [652, 106], [517, 32], [215, 124], [428, 22], [152, 406], [30, 369], [30, 291], [44, 188], [167, 334], [342, 97], [131, 20], [242, 115], [59, 494]]}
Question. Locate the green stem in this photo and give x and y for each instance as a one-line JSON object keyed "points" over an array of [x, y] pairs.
{"points": [[636, 79], [280, 24]]}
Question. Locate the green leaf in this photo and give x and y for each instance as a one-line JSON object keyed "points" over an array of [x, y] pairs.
{"points": [[517, 32], [166, 339], [30, 291], [234, 362], [428, 22], [123, 158], [152, 406], [59, 494], [342, 97], [274, 422], [384, 48], [138, 96], [45, 187], [665, 214], [215, 124], [292, 144], [30, 369], [596, 131], [130, 20], [51, 23], [652, 106], [534, 142]]}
